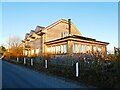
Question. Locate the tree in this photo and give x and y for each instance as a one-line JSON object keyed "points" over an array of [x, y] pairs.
{"points": [[2, 49], [14, 47]]}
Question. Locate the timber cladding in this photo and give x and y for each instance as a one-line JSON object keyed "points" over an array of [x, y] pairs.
{"points": [[56, 38]]}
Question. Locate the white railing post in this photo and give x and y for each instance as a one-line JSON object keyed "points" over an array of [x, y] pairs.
{"points": [[24, 60], [17, 59], [77, 70], [31, 61], [45, 63]]}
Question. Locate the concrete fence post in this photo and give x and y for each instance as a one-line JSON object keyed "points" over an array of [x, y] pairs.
{"points": [[17, 59], [31, 61], [24, 60], [45, 63], [77, 70]]}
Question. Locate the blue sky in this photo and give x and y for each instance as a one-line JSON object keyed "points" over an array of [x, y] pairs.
{"points": [[97, 20]]}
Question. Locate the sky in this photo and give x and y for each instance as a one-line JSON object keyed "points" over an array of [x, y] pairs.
{"points": [[98, 20]]}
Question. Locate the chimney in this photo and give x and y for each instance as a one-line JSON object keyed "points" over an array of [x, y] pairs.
{"points": [[69, 25]]}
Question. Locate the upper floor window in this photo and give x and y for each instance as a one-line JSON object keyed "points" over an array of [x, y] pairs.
{"points": [[63, 34]]}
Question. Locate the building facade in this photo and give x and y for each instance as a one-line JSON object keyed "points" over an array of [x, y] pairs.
{"points": [[60, 38]]}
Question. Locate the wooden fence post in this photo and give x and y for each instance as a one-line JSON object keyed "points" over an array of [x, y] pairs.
{"points": [[31, 61], [17, 59], [45, 63], [77, 70], [24, 60]]}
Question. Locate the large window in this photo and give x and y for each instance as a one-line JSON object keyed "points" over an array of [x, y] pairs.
{"points": [[87, 49], [75, 48], [58, 49], [81, 48], [62, 49], [54, 50], [32, 52], [99, 49], [94, 48], [84, 49], [25, 52], [65, 48], [37, 51]]}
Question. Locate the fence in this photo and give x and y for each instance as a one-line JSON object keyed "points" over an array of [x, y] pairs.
{"points": [[97, 72]]}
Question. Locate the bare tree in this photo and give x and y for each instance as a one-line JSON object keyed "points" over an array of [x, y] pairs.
{"points": [[14, 41], [14, 47]]}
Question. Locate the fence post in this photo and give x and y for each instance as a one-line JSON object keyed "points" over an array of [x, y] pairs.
{"points": [[45, 63], [17, 59], [77, 70], [31, 61], [24, 60]]}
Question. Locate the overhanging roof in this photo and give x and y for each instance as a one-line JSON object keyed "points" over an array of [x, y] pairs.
{"points": [[76, 38]]}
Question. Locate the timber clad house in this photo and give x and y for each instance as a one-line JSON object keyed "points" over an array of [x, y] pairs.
{"points": [[60, 38]]}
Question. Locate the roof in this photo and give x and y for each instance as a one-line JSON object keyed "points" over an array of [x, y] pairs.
{"points": [[77, 37], [40, 26], [39, 30], [63, 21]]}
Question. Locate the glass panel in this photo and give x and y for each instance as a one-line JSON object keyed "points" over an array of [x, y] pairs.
{"points": [[61, 34], [87, 49], [75, 48], [32, 52], [65, 48], [94, 49], [37, 51], [25, 52], [99, 49], [61, 48], [64, 34], [56, 49], [81, 48], [65, 51]]}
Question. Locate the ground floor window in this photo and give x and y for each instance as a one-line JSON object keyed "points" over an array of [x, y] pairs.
{"points": [[57, 49], [25, 52], [75, 48], [94, 49], [65, 48], [81, 48], [62, 48], [99, 49], [37, 51], [87, 49], [32, 52]]}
